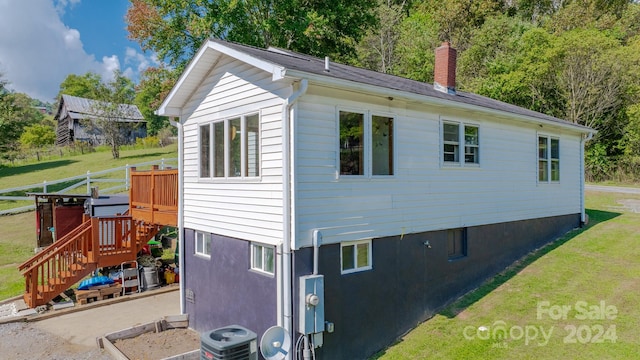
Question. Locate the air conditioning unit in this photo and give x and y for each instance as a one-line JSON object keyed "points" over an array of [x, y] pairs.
{"points": [[231, 342]]}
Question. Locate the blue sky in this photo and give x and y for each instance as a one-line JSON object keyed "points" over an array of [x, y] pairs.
{"points": [[43, 41]]}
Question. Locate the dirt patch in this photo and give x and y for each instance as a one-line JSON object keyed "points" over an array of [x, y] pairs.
{"points": [[152, 345]]}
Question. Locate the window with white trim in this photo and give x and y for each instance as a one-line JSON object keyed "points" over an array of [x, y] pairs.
{"points": [[230, 148], [203, 244], [548, 159], [366, 144], [460, 141], [263, 258], [355, 256]]}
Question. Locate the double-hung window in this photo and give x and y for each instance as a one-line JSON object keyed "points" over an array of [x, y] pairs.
{"points": [[230, 148], [460, 143], [366, 144], [355, 256], [203, 244], [548, 159], [262, 258]]}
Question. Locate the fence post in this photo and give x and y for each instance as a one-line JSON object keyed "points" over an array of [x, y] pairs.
{"points": [[88, 182], [126, 177], [162, 164], [44, 186]]}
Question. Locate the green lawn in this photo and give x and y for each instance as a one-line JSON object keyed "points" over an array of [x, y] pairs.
{"points": [[592, 273], [11, 177], [17, 241]]}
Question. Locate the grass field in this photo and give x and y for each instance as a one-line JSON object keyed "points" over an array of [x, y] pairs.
{"points": [[574, 299], [11, 177]]}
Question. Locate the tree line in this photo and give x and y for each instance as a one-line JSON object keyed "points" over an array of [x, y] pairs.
{"points": [[578, 60]]}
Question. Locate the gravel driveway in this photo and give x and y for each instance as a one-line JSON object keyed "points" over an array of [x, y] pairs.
{"points": [[71, 334]]}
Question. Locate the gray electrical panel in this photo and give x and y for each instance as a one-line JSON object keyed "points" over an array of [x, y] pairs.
{"points": [[311, 304]]}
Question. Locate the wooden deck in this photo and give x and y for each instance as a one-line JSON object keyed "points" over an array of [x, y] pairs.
{"points": [[104, 241]]}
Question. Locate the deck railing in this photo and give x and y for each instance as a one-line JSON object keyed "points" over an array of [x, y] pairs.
{"points": [[58, 266], [153, 196], [98, 242]]}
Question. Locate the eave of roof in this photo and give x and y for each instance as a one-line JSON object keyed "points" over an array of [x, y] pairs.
{"points": [[283, 63]]}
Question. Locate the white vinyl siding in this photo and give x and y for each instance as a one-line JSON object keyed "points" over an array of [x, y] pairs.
{"points": [[245, 207], [422, 195]]}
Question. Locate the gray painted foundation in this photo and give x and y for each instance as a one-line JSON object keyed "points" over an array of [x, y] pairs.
{"points": [[224, 289], [409, 281], [408, 284]]}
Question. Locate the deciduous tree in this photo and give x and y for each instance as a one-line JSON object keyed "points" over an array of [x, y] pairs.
{"points": [[175, 29]]}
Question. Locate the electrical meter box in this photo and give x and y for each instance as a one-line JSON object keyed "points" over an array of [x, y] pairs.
{"points": [[311, 304]]}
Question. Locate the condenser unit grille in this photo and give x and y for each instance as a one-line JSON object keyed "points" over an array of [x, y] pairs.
{"points": [[240, 353], [229, 343]]}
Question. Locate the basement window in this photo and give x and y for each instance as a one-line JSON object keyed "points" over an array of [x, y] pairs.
{"points": [[355, 256], [457, 243], [203, 244], [263, 258]]}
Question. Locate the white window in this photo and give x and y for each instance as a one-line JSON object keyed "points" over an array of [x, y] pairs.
{"points": [[203, 244], [263, 258], [355, 256], [230, 147], [548, 159], [460, 141], [366, 144]]}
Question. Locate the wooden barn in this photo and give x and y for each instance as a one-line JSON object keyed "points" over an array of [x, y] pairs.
{"points": [[76, 118]]}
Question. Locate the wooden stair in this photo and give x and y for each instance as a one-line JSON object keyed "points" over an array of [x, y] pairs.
{"points": [[103, 241]]}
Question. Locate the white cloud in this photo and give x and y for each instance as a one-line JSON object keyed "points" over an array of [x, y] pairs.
{"points": [[38, 51]]}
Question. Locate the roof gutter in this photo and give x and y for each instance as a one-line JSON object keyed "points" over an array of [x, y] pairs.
{"points": [[284, 278], [368, 89]]}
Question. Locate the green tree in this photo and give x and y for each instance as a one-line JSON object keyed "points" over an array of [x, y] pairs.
{"points": [[87, 86], [176, 29], [38, 135], [155, 84], [415, 47], [16, 113], [110, 107], [377, 49]]}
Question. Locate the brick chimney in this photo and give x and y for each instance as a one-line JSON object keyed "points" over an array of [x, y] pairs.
{"points": [[445, 69]]}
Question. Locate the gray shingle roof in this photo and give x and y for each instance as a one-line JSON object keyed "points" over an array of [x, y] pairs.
{"points": [[313, 65], [82, 108]]}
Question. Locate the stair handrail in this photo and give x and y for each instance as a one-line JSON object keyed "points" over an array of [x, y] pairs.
{"points": [[52, 249]]}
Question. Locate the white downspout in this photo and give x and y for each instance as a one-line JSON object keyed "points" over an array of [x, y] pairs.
{"points": [[583, 213], [178, 125], [284, 279]]}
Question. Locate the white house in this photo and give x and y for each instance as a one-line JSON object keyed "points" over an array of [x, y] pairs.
{"points": [[385, 197]]}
